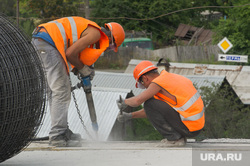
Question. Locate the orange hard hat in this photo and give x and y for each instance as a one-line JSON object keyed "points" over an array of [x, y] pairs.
{"points": [[142, 68], [117, 32]]}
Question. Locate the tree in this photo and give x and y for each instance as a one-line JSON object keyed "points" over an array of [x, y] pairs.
{"points": [[162, 28], [52, 9], [8, 7], [236, 28], [226, 116], [33, 12]]}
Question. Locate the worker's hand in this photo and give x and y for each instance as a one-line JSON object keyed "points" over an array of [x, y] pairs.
{"points": [[75, 71], [86, 71], [121, 104], [92, 74], [123, 117]]}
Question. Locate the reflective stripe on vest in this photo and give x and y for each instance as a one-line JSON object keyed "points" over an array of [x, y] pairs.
{"points": [[194, 117], [62, 30], [73, 29], [187, 105]]}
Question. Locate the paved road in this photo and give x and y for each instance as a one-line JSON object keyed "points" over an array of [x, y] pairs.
{"points": [[130, 154]]}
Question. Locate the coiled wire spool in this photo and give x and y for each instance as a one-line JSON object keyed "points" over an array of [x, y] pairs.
{"points": [[22, 90]]}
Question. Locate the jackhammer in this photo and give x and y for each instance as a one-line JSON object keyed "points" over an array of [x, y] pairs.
{"points": [[86, 85]]}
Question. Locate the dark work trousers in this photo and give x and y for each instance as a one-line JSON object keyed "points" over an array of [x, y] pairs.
{"points": [[166, 120]]}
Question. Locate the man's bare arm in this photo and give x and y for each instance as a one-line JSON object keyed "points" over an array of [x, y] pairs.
{"points": [[90, 36], [145, 95]]}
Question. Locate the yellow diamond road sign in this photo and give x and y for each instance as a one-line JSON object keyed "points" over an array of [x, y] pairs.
{"points": [[225, 45]]}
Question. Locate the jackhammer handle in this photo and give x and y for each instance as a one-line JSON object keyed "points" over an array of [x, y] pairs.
{"points": [[77, 86]]}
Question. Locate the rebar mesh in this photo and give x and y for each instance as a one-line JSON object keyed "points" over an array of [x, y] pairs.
{"points": [[22, 90]]}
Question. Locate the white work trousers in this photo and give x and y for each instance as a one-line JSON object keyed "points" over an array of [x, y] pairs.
{"points": [[59, 93]]}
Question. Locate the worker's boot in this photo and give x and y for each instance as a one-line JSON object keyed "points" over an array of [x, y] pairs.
{"points": [[177, 143], [73, 136], [58, 141], [74, 143], [73, 139], [66, 140]]}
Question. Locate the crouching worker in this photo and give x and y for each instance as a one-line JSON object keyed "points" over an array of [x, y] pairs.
{"points": [[171, 103]]}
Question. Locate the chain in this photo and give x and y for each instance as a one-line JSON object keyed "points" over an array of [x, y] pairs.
{"points": [[78, 111]]}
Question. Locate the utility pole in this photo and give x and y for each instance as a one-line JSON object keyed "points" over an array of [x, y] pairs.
{"points": [[17, 12], [87, 9]]}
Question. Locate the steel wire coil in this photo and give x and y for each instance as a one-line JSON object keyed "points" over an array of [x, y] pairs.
{"points": [[22, 90]]}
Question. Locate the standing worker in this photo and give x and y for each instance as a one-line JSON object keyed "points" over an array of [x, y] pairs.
{"points": [[171, 103], [80, 42]]}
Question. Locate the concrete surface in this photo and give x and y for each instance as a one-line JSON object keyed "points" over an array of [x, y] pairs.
{"points": [[129, 154]]}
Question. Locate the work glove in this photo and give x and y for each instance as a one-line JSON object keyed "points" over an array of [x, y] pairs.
{"points": [[121, 104], [123, 117], [86, 71], [92, 74]]}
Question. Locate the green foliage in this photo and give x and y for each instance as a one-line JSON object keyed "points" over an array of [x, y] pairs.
{"points": [[26, 11], [236, 28], [28, 26], [8, 7], [226, 116], [33, 12], [53, 9], [163, 28], [142, 130]]}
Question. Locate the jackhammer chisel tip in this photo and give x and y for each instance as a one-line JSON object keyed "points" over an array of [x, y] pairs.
{"points": [[95, 126]]}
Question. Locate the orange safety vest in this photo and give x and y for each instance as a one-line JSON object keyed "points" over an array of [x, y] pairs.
{"points": [[65, 31], [188, 100]]}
